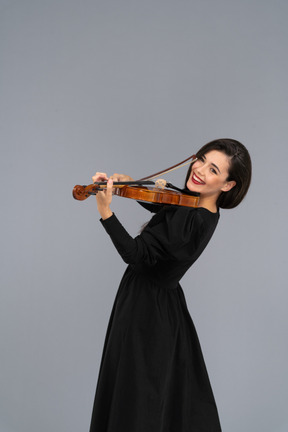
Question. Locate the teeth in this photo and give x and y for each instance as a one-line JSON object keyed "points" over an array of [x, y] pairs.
{"points": [[197, 179]]}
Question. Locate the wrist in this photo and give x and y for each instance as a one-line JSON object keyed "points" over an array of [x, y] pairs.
{"points": [[105, 213]]}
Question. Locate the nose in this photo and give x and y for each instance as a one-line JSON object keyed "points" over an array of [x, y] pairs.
{"points": [[200, 168]]}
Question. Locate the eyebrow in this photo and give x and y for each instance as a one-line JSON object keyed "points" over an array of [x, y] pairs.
{"points": [[214, 165]]}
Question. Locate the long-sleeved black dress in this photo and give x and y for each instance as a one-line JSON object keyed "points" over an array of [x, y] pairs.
{"points": [[152, 376]]}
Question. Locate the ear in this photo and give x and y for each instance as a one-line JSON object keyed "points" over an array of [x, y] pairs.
{"points": [[228, 186]]}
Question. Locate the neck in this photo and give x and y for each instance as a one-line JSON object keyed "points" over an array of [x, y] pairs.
{"points": [[209, 204]]}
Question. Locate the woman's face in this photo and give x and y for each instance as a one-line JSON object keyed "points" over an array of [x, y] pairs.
{"points": [[209, 175]]}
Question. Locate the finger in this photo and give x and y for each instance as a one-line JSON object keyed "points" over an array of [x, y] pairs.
{"points": [[121, 177], [115, 177], [109, 189], [99, 176], [110, 184]]}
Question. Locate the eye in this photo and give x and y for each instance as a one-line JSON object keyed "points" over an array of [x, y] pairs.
{"points": [[213, 171]]}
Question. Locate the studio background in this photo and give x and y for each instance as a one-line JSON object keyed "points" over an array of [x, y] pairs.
{"points": [[134, 87]]}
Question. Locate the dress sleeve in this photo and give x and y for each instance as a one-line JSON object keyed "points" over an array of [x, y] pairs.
{"points": [[173, 233]]}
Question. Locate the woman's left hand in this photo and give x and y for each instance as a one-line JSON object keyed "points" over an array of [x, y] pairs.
{"points": [[104, 197]]}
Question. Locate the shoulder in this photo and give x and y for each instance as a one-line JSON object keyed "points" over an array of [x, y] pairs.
{"points": [[179, 221], [197, 222], [197, 214], [187, 219], [207, 215]]}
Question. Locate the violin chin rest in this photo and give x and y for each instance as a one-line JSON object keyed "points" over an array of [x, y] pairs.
{"points": [[160, 184]]}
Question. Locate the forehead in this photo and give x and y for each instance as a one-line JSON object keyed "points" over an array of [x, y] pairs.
{"points": [[218, 158]]}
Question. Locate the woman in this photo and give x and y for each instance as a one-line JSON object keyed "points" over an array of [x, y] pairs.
{"points": [[152, 376]]}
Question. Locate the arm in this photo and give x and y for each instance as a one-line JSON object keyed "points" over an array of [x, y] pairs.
{"points": [[130, 249], [171, 234]]}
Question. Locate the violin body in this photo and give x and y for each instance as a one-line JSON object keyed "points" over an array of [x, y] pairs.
{"points": [[140, 193], [158, 196]]}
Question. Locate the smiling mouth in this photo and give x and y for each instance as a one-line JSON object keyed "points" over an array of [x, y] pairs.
{"points": [[195, 179]]}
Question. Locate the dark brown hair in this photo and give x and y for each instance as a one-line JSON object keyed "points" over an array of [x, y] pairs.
{"points": [[240, 170]]}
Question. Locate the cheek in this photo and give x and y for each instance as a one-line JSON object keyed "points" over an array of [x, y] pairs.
{"points": [[215, 181], [196, 164]]}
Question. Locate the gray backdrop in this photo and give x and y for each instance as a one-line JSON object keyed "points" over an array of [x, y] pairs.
{"points": [[135, 86]]}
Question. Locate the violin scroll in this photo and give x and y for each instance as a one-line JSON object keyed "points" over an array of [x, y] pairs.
{"points": [[81, 193]]}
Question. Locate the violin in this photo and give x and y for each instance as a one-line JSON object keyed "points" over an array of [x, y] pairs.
{"points": [[139, 193], [137, 190]]}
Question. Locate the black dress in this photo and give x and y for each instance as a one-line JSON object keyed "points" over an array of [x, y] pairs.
{"points": [[152, 376]]}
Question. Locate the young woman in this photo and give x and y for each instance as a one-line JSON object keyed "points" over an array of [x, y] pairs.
{"points": [[152, 376]]}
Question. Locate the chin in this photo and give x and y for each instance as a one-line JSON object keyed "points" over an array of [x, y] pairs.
{"points": [[192, 187]]}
